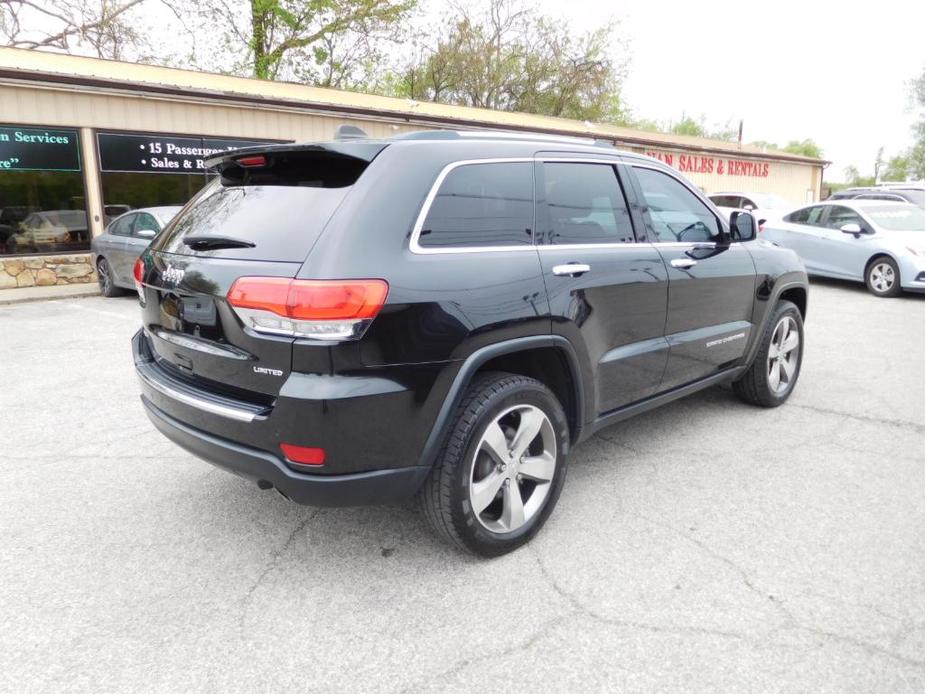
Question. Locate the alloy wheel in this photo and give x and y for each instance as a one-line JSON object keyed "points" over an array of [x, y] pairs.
{"points": [[105, 278], [512, 469], [882, 277], [783, 355]]}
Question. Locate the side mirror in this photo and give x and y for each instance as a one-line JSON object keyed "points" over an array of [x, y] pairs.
{"points": [[852, 228], [742, 226], [146, 234]]}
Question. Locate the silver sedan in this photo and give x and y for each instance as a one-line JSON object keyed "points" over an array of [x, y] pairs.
{"points": [[115, 250], [879, 243]]}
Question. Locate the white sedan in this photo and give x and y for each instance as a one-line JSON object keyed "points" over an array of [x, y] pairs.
{"points": [[764, 207], [876, 242]]}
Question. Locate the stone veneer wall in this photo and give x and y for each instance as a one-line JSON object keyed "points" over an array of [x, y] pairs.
{"points": [[46, 270]]}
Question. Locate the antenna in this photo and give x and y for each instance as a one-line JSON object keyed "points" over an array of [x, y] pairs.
{"points": [[346, 133]]}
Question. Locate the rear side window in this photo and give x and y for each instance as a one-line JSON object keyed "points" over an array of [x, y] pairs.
{"points": [[122, 226], [281, 209], [481, 205], [808, 215], [726, 200], [585, 205]]}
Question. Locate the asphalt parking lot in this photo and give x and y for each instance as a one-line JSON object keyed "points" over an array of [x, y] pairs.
{"points": [[706, 546]]}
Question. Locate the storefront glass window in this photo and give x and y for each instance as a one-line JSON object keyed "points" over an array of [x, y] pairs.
{"points": [[42, 199], [150, 170]]}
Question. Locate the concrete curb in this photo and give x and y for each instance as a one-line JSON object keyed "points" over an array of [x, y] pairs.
{"points": [[65, 291]]}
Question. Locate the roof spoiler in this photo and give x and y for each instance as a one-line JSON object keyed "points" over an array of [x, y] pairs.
{"points": [[361, 149]]}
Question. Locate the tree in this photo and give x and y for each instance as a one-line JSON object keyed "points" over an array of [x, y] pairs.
{"points": [[878, 164], [104, 26], [313, 37], [896, 169], [698, 128], [854, 178], [805, 148], [507, 57]]}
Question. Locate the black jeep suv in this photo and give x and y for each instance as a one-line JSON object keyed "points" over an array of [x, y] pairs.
{"points": [[446, 314]]}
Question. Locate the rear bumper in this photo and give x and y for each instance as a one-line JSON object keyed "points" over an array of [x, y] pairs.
{"points": [[357, 489]]}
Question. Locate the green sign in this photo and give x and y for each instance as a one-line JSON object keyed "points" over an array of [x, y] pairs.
{"points": [[38, 149]]}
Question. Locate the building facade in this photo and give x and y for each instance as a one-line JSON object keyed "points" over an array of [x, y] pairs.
{"points": [[83, 140]]}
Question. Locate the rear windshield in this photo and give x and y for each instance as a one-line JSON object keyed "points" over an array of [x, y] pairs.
{"points": [[281, 209]]}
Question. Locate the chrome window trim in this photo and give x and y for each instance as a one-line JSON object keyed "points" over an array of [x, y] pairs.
{"points": [[417, 249], [415, 244]]}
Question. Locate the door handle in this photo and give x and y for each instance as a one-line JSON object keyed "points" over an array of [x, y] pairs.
{"points": [[570, 269], [683, 263]]}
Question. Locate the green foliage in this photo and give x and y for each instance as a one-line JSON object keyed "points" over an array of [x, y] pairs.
{"points": [[853, 178], [510, 58], [698, 128], [896, 169], [805, 148]]}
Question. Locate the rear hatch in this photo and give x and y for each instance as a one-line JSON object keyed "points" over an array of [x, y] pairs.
{"points": [[259, 218]]}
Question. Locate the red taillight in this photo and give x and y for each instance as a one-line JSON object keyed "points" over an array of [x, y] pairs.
{"points": [[138, 272], [319, 309], [303, 455], [252, 161]]}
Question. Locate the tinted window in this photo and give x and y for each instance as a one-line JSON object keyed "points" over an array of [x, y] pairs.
{"points": [[808, 215], [482, 205], [122, 226], [282, 209], [585, 205], [840, 216], [726, 200], [674, 212], [145, 222]]}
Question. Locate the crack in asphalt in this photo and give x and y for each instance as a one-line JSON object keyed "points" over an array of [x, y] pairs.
{"points": [[899, 423], [268, 567]]}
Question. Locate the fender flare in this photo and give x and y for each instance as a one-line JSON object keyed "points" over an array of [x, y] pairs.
{"points": [[772, 301], [476, 360]]}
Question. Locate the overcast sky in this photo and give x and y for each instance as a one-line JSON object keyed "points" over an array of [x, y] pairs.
{"points": [[834, 72]]}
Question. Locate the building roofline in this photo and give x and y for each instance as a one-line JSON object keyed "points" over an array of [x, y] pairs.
{"points": [[24, 66]]}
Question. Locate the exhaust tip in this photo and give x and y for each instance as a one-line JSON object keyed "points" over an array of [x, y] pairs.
{"points": [[264, 484]]}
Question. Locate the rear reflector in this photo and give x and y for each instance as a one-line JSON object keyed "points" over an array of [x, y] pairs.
{"points": [[303, 455], [316, 309]]}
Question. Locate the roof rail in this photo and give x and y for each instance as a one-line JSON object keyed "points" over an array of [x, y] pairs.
{"points": [[498, 135]]}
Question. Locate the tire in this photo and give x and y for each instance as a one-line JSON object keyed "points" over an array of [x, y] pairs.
{"points": [[768, 382], [882, 277], [493, 410], [104, 277]]}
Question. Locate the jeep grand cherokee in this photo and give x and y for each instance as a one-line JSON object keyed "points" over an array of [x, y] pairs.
{"points": [[445, 315]]}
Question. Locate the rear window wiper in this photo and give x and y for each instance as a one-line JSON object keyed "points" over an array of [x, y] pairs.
{"points": [[212, 241]]}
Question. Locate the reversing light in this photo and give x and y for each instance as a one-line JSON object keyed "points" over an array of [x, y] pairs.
{"points": [[303, 455], [331, 310], [254, 160]]}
